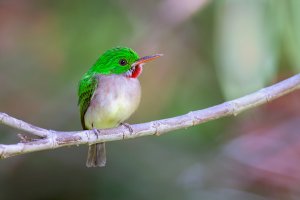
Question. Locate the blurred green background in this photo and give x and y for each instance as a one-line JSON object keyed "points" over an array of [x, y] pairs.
{"points": [[214, 51]]}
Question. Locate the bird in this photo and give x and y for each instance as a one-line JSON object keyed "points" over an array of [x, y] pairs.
{"points": [[109, 93]]}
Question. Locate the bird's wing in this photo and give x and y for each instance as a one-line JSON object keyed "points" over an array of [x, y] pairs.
{"points": [[86, 89]]}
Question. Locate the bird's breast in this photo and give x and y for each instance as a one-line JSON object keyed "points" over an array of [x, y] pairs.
{"points": [[113, 101]]}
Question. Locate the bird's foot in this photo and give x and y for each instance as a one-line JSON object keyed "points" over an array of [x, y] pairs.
{"points": [[128, 126], [96, 132]]}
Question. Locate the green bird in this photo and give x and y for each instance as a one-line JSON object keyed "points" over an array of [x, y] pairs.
{"points": [[109, 92]]}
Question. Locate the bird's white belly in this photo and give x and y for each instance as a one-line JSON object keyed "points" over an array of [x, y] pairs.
{"points": [[114, 100]]}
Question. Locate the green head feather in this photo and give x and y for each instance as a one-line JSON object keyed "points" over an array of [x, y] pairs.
{"points": [[115, 61]]}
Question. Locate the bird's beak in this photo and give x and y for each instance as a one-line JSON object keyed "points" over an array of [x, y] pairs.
{"points": [[146, 59]]}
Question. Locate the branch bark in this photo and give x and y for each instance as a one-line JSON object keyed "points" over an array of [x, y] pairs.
{"points": [[55, 139]]}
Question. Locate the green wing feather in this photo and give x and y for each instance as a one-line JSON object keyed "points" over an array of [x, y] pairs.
{"points": [[86, 88]]}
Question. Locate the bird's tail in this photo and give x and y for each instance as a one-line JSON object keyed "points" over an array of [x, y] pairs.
{"points": [[96, 155]]}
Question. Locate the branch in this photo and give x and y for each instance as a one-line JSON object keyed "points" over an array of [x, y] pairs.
{"points": [[56, 139]]}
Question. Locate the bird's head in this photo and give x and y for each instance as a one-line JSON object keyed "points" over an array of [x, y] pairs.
{"points": [[122, 60]]}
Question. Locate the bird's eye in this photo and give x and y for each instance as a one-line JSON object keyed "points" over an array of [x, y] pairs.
{"points": [[123, 62]]}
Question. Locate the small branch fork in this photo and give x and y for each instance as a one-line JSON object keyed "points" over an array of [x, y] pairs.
{"points": [[49, 139]]}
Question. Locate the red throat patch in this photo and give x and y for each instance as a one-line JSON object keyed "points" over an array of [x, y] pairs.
{"points": [[137, 71]]}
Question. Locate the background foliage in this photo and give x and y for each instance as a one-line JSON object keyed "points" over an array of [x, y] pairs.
{"points": [[214, 51]]}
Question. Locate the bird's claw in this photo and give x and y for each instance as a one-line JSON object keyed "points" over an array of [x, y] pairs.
{"points": [[96, 132], [128, 126]]}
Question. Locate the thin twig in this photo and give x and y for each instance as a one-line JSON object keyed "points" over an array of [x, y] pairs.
{"points": [[55, 139]]}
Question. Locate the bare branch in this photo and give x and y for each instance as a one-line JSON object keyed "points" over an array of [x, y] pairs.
{"points": [[56, 139], [24, 126]]}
